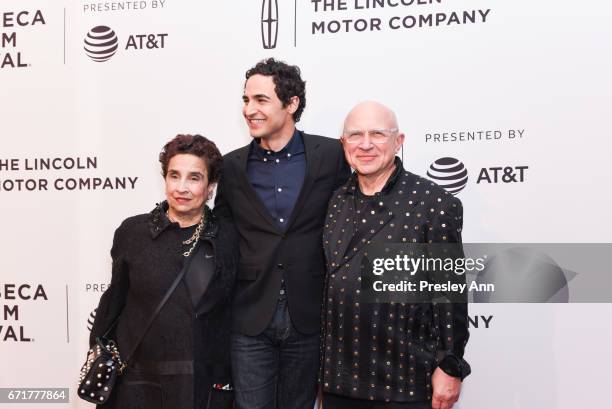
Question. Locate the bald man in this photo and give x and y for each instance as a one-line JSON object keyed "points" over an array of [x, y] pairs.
{"points": [[386, 355]]}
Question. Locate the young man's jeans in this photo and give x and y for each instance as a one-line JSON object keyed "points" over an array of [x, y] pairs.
{"points": [[276, 369]]}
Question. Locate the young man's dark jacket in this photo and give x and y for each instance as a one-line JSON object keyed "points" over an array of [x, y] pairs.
{"points": [[267, 253]]}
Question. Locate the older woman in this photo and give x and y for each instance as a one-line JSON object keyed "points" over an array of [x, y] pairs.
{"points": [[182, 361]]}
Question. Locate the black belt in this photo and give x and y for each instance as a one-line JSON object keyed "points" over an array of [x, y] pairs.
{"points": [[164, 367]]}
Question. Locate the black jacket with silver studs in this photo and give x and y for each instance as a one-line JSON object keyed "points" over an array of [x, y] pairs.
{"points": [[387, 351]]}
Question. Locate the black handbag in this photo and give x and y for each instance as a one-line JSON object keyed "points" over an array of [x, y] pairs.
{"points": [[100, 371], [104, 365]]}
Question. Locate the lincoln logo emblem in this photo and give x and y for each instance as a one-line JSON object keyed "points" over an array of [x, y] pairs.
{"points": [[269, 23]]}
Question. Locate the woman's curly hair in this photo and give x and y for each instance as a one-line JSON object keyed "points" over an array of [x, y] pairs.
{"points": [[197, 145]]}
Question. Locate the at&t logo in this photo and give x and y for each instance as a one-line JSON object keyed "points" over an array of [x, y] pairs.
{"points": [[452, 175], [91, 319], [449, 173], [502, 174], [101, 43]]}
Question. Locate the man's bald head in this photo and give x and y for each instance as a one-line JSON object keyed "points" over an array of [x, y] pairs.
{"points": [[371, 140], [370, 112]]}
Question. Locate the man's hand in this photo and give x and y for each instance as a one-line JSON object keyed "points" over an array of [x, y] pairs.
{"points": [[446, 390]]}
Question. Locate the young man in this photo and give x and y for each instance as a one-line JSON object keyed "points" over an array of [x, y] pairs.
{"points": [[276, 189]]}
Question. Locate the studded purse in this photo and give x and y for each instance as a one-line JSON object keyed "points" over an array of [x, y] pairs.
{"points": [[100, 371], [104, 364]]}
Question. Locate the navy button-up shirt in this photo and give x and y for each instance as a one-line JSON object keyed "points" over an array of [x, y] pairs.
{"points": [[277, 177]]}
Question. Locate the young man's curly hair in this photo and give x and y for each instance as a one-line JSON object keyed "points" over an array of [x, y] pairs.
{"points": [[287, 81]]}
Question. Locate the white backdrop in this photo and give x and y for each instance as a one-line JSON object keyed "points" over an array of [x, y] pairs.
{"points": [[540, 68]]}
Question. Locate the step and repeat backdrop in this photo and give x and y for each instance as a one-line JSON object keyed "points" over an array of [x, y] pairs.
{"points": [[515, 96]]}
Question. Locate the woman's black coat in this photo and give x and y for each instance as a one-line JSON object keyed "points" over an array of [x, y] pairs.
{"points": [[183, 353]]}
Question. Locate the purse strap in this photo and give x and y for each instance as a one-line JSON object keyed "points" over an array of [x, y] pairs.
{"points": [[161, 304]]}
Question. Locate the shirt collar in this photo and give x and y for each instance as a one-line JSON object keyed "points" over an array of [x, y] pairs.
{"points": [[294, 147], [352, 187]]}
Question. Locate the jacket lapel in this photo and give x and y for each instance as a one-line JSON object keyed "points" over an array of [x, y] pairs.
{"points": [[355, 239], [340, 229], [247, 188], [313, 164]]}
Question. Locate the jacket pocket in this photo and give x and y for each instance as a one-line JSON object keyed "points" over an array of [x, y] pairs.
{"points": [[306, 266], [218, 399]]}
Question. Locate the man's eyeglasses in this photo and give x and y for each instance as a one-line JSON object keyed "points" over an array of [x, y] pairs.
{"points": [[377, 136]]}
